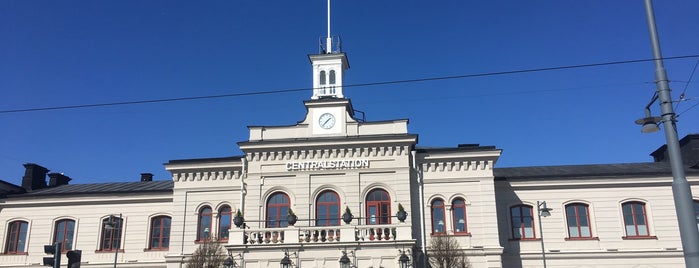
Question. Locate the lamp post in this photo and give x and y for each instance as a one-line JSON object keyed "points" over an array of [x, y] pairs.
{"points": [[681, 191], [543, 211]]}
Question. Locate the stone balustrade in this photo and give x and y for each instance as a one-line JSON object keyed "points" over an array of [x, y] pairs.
{"points": [[319, 234]]}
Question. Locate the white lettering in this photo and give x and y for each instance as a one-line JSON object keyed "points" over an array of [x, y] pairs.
{"points": [[333, 164]]}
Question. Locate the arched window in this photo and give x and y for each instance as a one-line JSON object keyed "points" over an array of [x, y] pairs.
{"points": [[16, 237], [204, 224], [160, 233], [578, 217], [378, 207], [277, 210], [328, 209], [63, 232], [224, 222], [438, 221], [635, 220], [111, 233], [522, 222], [332, 77], [458, 215], [322, 77]]}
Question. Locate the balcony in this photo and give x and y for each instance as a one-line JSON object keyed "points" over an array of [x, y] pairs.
{"points": [[307, 235]]}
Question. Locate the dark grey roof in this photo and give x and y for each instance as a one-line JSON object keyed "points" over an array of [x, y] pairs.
{"points": [[205, 160], [9, 188], [600, 170], [102, 188], [461, 147]]}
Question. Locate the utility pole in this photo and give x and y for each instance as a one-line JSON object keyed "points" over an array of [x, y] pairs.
{"points": [[681, 191]]}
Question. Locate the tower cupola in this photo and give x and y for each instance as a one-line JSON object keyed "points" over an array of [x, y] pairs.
{"points": [[329, 66]]}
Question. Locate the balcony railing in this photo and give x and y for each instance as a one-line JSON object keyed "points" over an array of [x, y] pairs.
{"points": [[320, 234]]}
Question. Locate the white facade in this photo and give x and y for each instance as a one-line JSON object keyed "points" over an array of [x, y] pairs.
{"points": [[330, 153]]}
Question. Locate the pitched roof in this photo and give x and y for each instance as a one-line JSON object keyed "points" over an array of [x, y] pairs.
{"points": [[102, 188], [598, 170]]}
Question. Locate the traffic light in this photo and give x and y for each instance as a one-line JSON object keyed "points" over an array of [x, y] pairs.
{"points": [[74, 258], [54, 250]]}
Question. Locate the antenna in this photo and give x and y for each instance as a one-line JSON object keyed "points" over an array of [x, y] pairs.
{"points": [[328, 41]]}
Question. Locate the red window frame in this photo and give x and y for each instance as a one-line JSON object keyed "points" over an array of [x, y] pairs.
{"points": [[160, 233], [65, 234], [459, 204], [327, 200], [575, 219], [634, 217], [379, 201], [278, 202], [110, 239], [523, 220], [225, 217], [204, 223], [437, 208], [16, 237]]}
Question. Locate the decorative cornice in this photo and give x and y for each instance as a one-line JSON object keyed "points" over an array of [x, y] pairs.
{"points": [[457, 166], [207, 176], [328, 153]]}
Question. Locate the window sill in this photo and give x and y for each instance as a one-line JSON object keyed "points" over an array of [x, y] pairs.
{"points": [[525, 239], [639, 237], [14, 254], [581, 238], [108, 251], [155, 249], [462, 234]]}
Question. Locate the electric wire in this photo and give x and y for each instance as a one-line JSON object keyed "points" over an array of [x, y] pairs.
{"points": [[686, 110], [346, 86], [686, 85]]}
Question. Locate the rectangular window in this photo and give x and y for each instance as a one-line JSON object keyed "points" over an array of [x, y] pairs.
{"points": [[635, 221], [64, 233], [522, 222], [578, 218], [16, 237], [160, 233], [111, 233]]}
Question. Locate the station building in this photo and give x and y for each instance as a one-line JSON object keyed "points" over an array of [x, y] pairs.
{"points": [[331, 164]]}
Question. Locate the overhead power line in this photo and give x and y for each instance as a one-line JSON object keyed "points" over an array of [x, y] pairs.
{"points": [[346, 86]]}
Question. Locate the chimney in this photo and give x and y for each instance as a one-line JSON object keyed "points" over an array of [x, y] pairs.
{"points": [[58, 179], [146, 176], [34, 177]]}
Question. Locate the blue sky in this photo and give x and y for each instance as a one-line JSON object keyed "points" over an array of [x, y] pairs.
{"points": [[59, 53]]}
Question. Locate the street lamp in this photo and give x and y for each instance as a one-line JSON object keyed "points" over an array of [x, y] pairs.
{"points": [[345, 261], [228, 263], [403, 260], [286, 261], [681, 191], [544, 211]]}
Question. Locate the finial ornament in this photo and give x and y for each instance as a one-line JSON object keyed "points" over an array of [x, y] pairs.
{"points": [[328, 41]]}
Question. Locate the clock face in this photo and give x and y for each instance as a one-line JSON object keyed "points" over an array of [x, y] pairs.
{"points": [[326, 121]]}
